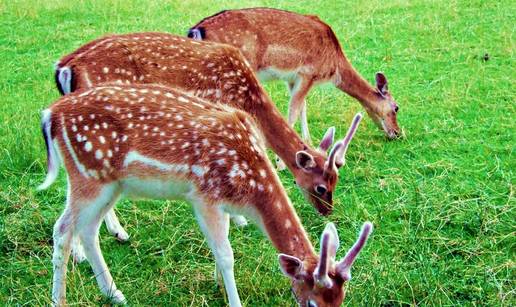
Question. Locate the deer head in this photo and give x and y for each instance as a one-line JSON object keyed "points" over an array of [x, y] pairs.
{"points": [[319, 174], [322, 284], [386, 108]]}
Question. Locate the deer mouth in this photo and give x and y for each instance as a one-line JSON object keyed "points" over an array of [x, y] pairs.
{"points": [[323, 205], [391, 133]]}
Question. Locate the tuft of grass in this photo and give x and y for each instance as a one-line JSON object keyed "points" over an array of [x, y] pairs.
{"points": [[441, 199]]}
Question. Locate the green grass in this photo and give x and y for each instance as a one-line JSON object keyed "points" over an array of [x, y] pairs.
{"points": [[442, 199]]}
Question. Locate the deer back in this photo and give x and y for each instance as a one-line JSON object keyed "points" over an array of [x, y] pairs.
{"points": [[114, 132]]}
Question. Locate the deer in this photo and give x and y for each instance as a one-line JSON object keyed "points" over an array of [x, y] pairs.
{"points": [[157, 142], [212, 71], [303, 51]]}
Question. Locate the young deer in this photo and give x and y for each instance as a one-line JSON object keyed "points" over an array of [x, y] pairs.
{"points": [[303, 51], [150, 141], [216, 72]]}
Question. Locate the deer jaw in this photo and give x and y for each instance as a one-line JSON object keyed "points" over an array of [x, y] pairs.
{"points": [[218, 73]]}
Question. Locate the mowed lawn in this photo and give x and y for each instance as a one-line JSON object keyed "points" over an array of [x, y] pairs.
{"points": [[441, 199]]}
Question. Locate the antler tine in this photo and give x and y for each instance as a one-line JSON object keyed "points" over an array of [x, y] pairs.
{"points": [[344, 266], [329, 245], [341, 157], [327, 139], [333, 154]]}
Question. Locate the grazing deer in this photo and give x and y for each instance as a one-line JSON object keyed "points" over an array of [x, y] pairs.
{"points": [[151, 141], [216, 72], [303, 51]]}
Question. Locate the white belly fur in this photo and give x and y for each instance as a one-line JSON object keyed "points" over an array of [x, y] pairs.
{"points": [[272, 73], [137, 188]]}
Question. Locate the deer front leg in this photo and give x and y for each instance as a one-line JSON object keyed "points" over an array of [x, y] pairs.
{"points": [[297, 105], [214, 223], [305, 133], [114, 227]]}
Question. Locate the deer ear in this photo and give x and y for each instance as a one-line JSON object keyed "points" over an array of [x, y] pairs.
{"points": [[290, 266], [381, 83], [305, 160], [327, 139]]}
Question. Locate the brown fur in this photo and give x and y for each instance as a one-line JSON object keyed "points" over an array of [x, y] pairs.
{"points": [[212, 71], [179, 139], [302, 44]]}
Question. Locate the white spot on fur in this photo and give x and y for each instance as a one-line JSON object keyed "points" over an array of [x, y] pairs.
{"points": [[288, 224], [99, 154], [199, 170], [88, 146]]}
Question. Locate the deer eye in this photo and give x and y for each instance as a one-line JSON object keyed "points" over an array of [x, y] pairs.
{"points": [[396, 108], [320, 189]]}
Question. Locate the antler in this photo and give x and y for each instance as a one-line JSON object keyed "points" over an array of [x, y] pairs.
{"points": [[329, 246], [338, 152], [344, 266], [327, 139]]}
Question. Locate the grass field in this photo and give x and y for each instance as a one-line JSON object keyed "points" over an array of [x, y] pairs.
{"points": [[442, 199]]}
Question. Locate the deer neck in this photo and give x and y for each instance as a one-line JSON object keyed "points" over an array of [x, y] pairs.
{"points": [[351, 82], [279, 136], [283, 227]]}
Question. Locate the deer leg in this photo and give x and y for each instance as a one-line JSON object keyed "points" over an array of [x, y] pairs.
{"points": [[77, 250], [297, 106], [63, 231], [239, 220], [214, 224], [88, 224], [305, 133], [114, 227]]}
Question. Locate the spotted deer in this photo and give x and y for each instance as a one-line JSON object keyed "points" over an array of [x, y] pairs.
{"points": [[216, 72], [303, 51], [151, 141]]}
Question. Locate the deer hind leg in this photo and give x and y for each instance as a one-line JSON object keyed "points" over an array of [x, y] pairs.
{"points": [[114, 227], [214, 223], [239, 220], [63, 231], [88, 223], [77, 250]]}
